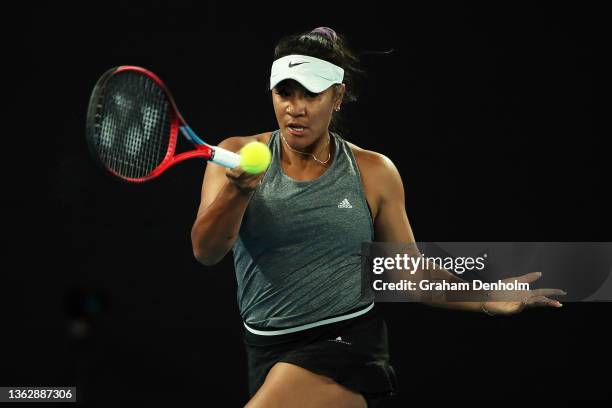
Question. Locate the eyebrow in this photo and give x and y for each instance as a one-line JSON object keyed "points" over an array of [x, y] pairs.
{"points": [[300, 89], [291, 84]]}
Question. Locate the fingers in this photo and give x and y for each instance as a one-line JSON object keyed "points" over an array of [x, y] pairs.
{"points": [[529, 277], [235, 173], [245, 182], [541, 301], [548, 292]]}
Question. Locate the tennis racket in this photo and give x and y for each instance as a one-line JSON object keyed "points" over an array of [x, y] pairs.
{"points": [[133, 125]]}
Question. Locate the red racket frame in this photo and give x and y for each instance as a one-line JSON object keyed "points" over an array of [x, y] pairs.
{"points": [[176, 122]]}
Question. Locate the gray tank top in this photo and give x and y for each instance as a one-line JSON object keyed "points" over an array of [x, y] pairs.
{"points": [[298, 253]]}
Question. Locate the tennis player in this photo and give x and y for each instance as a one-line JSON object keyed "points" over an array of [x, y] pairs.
{"points": [[313, 339]]}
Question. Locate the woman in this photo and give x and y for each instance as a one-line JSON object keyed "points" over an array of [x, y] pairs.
{"points": [[313, 338]]}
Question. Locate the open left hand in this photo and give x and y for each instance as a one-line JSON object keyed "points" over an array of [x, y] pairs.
{"points": [[514, 301]]}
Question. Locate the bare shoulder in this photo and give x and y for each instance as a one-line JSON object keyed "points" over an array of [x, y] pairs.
{"points": [[381, 179], [372, 163], [235, 143]]}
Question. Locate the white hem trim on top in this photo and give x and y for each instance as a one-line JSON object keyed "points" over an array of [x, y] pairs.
{"points": [[309, 325]]}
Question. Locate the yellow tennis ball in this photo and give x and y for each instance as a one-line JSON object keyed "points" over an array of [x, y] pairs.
{"points": [[255, 157]]}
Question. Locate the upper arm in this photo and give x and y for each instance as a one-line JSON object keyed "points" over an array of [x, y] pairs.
{"points": [[391, 223], [214, 175]]}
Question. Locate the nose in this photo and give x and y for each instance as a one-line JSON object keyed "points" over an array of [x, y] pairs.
{"points": [[296, 107]]}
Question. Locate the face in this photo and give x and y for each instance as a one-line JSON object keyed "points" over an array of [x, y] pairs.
{"points": [[303, 117]]}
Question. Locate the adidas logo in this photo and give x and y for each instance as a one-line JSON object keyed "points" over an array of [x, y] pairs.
{"points": [[345, 204], [339, 340]]}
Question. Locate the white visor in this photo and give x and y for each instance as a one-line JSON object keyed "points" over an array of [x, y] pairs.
{"points": [[314, 74]]}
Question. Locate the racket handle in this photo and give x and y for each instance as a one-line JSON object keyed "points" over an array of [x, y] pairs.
{"points": [[224, 157]]}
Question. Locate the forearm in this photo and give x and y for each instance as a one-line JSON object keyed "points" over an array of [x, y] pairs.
{"points": [[216, 228], [466, 306]]}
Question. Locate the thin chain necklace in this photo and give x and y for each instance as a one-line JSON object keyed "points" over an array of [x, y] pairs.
{"points": [[310, 154]]}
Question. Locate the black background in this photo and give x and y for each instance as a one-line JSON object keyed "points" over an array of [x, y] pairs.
{"points": [[487, 111]]}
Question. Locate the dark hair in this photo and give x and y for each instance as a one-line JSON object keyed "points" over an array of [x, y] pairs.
{"points": [[324, 43]]}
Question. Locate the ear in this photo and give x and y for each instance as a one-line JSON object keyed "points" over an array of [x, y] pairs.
{"points": [[340, 91]]}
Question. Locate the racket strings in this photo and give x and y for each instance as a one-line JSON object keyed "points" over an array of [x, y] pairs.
{"points": [[133, 129]]}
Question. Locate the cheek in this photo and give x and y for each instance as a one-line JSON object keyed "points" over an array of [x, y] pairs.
{"points": [[278, 108], [323, 112]]}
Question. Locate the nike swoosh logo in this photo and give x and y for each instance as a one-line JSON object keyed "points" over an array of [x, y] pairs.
{"points": [[291, 65]]}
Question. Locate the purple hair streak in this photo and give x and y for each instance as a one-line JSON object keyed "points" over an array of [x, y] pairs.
{"points": [[327, 32]]}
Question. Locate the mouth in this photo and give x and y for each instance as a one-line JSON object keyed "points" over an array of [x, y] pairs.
{"points": [[296, 129]]}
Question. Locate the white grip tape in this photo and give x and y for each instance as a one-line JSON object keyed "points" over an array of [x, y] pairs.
{"points": [[225, 158]]}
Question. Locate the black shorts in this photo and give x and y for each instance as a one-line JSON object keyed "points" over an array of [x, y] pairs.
{"points": [[353, 352]]}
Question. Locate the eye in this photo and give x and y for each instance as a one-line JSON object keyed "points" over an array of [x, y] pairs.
{"points": [[282, 92], [311, 95]]}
